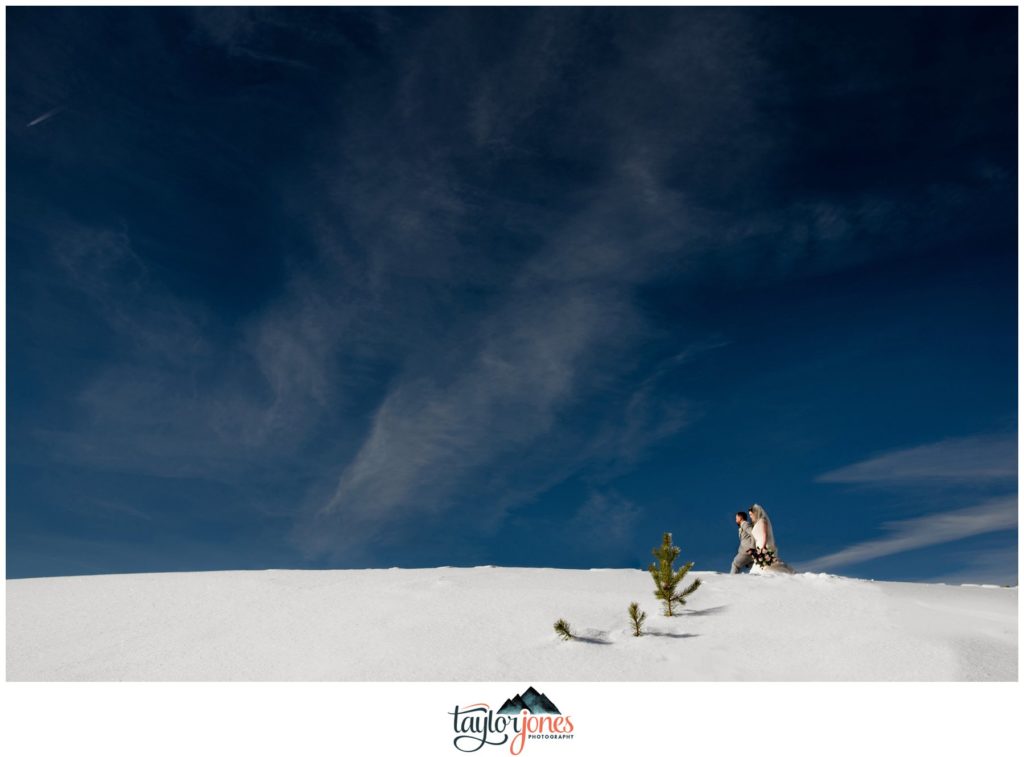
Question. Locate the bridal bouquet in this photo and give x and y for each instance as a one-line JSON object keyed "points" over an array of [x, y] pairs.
{"points": [[763, 556]]}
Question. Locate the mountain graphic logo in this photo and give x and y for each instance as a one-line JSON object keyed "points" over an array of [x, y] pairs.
{"points": [[531, 700], [523, 718]]}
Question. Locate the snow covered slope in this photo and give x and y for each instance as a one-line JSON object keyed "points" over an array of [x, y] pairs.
{"points": [[464, 624]]}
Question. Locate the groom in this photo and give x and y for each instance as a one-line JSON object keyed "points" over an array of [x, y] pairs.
{"points": [[743, 559]]}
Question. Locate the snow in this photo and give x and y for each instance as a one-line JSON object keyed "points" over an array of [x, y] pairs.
{"points": [[489, 624]]}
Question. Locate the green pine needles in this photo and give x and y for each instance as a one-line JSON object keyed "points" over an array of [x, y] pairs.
{"points": [[666, 578], [637, 618], [563, 630]]}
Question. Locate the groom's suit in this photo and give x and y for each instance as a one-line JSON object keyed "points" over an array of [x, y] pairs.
{"points": [[742, 559]]}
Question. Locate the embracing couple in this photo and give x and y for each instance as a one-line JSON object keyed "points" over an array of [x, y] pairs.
{"points": [[757, 544]]}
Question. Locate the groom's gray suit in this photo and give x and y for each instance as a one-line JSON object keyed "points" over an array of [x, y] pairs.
{"points": [[742, 559]]}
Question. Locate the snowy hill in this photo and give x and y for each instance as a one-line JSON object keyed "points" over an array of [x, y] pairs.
{"points": [[466, 624]]}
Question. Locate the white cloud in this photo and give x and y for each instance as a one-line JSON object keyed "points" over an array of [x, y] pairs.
{"points": [[997, 514], [489, 398], [967, 462], [971, 459], [433, 431], [177, 401]]}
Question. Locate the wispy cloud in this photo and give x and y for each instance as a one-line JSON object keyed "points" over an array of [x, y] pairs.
{"points": [[971, 459], [971, 463], [432, 432], [552, 335], [997, 514], [176, 401]]}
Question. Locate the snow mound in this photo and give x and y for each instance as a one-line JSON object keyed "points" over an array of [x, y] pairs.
{"points": [[468, 624]]}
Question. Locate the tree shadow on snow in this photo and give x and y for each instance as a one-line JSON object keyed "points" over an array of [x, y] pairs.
{"points": [[593, 637], [672, 635], [708, 610]]}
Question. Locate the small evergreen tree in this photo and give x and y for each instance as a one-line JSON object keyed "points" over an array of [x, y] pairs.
{"points": [[666, 578], [563, 630], [637, 618]]}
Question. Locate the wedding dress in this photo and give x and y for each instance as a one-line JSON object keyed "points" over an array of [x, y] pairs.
{"points": [[764, 536]]}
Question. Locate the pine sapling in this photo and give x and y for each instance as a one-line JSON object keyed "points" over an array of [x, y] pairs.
{"points": [[637, 618], [666, 578], [563, 630]]}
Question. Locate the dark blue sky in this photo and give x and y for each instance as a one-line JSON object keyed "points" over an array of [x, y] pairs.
{"points": [[417, 287]]}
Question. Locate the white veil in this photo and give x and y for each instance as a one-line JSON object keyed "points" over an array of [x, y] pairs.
{"points": [[760, 516]]}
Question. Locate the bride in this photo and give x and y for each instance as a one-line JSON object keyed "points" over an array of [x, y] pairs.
{"points": [[765, 537]]}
